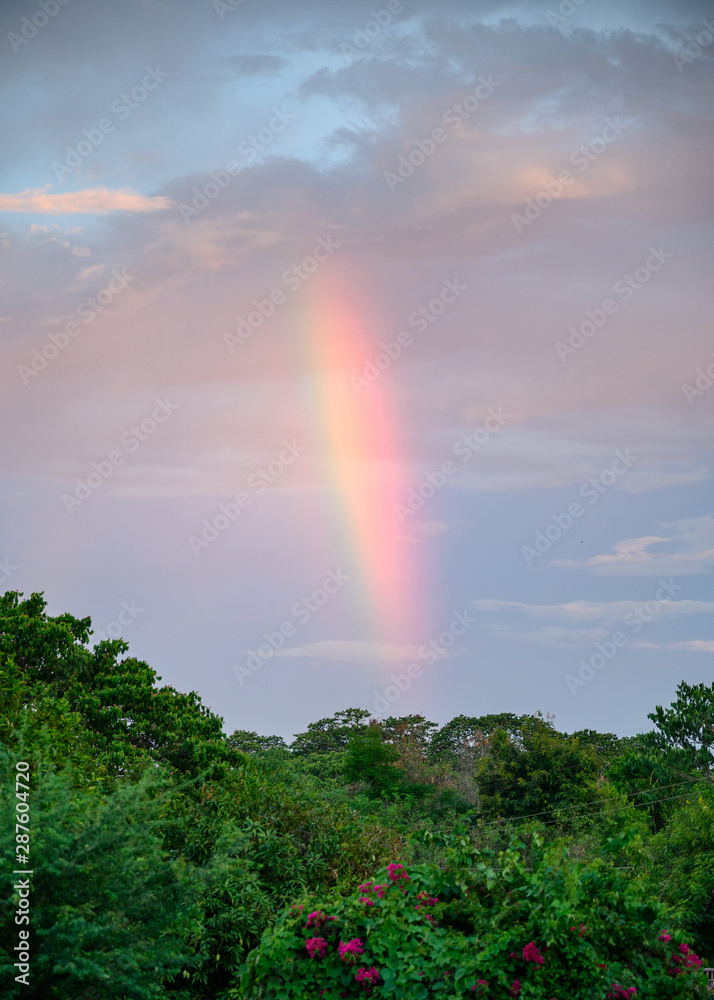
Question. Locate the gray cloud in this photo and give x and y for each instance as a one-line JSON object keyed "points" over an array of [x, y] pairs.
{"points": [[256, 64]]}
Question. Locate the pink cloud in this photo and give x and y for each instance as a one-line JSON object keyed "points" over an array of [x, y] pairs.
{"points": [[94, 201], [695, 645]]}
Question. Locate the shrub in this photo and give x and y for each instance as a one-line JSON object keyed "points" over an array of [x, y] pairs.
{"points": [[488, 926]]}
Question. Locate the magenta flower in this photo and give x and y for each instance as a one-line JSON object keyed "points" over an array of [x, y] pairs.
{"points": [[516, 988], [531, 954], [395, 873], [316, 947], [349, 950], [684, 961], [316, 918], [368, 976], [367, 887], [665, 937]]}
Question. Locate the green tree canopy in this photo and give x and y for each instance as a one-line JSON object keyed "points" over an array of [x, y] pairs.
{"points": [[541, 771], [249, 742], [117, 699], [333, 733], [373, 761], [687, 727]]}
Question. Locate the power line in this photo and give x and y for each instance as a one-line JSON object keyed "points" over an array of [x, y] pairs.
{"points": [[600, 810]]}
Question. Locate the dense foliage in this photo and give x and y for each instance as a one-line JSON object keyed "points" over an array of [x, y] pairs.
{"points": [[493, 856]]}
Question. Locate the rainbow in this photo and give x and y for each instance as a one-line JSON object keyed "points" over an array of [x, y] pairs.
{"points": [[357, 435]]}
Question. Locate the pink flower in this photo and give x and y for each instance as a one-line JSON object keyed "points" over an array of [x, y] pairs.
{"points": [[378, 890], [316, 918], [350, 949], [316, 947], [516, 988], [367, 976], [621, 993], [665, 937], [531, 954], [684, 961], [397, 872]]}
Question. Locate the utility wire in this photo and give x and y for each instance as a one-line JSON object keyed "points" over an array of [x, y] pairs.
{"points": [[599, 810]]}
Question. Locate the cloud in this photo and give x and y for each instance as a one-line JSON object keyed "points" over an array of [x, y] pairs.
{"points": [[432, 529], [90, 201], [693, 537], [695, 645], [579, 611], [550, 635], [256, 64], [355, 652]]}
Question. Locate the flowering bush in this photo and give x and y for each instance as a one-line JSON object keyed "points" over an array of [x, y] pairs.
{"points": [[489, 927], [316, 947], [350, 949]]}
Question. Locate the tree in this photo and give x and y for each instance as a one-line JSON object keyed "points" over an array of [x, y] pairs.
{"points": [[117, 699], [333, 733], [249, 742], [543, 771], [371, 760], [608, 746], [687, 727], [109, 908], [681, 863], [414, 730], [646, 776], [467, 736], [410, 735]]}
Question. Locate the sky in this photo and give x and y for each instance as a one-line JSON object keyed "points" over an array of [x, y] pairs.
{"points": [[361, 355]]}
